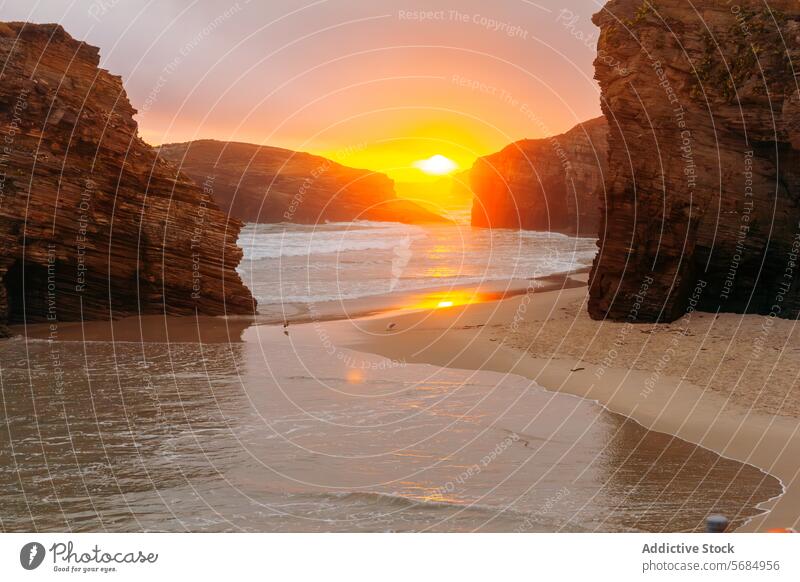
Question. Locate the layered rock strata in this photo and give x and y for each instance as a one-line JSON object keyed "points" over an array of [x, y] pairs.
{"points": [[702, 194], [543, 184], [93, 224]]}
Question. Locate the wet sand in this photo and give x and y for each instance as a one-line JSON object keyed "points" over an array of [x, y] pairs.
{"points": [[702, 393], [540, 331], [297, 432], [214, 330]]}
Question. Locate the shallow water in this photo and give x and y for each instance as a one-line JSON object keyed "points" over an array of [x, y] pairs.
{"points": [[290, 263], [297, 434]]}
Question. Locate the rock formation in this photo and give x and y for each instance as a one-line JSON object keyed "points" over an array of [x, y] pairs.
{"points": [[267, 184], [543, 184], [702, 196], [93, 224]]}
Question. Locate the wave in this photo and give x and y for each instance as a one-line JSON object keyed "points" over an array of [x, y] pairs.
{"points": [[352, 260], [394, 502], [398, 501], [270, 242], [553, 236], [279, 249]]}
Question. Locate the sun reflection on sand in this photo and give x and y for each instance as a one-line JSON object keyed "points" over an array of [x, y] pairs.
{"points": [[454, 298], [439, 497], [427, 494], [355, 376]]}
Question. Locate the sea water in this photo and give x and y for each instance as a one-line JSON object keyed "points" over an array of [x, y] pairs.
{"points": [[289, 263], [286, 430]]}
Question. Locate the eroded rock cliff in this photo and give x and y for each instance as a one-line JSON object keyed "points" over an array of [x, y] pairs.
{"points": [[543, 184], [93, 224], [702, 196], [267, 184]]}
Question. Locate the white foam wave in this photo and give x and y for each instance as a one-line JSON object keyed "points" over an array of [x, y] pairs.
{"points": [[304, 264]]}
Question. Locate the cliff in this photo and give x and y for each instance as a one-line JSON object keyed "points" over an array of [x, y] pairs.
{"points": [[543, 184], [267, 184], [702, 196], [93, 225]]}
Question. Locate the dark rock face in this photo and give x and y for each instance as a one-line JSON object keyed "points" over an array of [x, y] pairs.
{"points": [[93, 225], [702, 205], [543, 184], [266, 184]]}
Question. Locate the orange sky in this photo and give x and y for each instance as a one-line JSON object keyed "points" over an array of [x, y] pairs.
{"points": [[371, 84]]}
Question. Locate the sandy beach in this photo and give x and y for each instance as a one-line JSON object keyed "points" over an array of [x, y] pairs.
{"points": [[216, 330], [727, 383], [386, 268], [226, 422], [710, 380]]}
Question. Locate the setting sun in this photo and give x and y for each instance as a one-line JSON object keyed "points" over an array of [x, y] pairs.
{"points": [[437, 165]]}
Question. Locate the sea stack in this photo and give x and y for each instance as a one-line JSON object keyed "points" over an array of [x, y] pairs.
{"points": [[93, 224], [543, 184], [702, 194]]}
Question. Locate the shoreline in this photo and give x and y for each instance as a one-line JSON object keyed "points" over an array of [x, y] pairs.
{"points": [[536, 329], [222, 329], [475, 337]]}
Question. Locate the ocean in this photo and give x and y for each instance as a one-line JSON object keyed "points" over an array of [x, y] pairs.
{"points": [[289, 263], [288, 429]]}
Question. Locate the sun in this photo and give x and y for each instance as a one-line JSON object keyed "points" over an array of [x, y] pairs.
{"points": [[437, 165]]}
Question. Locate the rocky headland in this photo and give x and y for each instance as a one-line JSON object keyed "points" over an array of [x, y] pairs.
{"points": [[266, 184], [702, 194], [93, 224], [543, 184]]}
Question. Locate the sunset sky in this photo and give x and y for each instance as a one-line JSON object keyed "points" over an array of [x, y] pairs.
{"points": [[371, 84]]}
